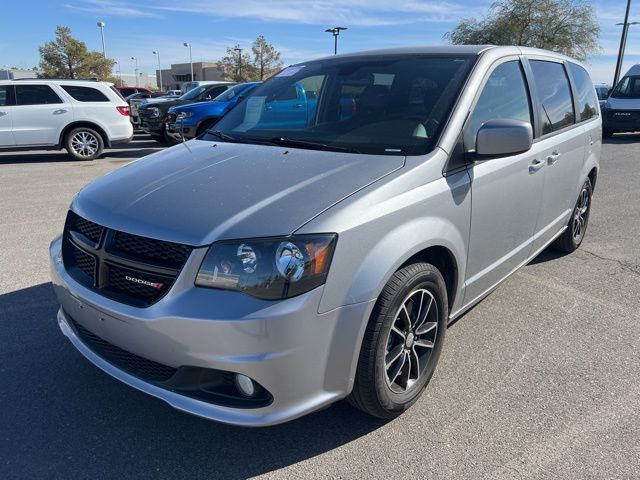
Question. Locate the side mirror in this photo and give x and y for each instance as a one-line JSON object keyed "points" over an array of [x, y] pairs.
{"points": [[503, 136]]}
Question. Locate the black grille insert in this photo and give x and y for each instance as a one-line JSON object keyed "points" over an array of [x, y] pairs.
{"points": [[138, 366], [129, 268]]}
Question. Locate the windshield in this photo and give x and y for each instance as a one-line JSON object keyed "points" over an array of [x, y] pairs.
{"points": [[194, 93], [629, 87], [392, 104], [232, 92]]}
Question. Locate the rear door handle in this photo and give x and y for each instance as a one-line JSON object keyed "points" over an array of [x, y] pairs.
{"points": [[60, 111], [553, 158], [536, 165]]}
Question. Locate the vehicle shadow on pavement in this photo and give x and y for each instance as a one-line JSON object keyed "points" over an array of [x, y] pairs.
{"points": [[64, 418]]}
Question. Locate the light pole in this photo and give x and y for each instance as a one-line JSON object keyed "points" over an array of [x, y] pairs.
{"points": [[623, 43], [187, 44], [156, 52], [335, 31], [136, 70], [101, 26], [119, 72], [239, 50]]}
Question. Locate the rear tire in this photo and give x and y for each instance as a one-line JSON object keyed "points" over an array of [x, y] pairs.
{"points": [[159, 138], [402, 343], [83, 143], [574, 234]]}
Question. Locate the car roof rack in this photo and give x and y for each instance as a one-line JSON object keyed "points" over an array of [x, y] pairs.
{"points": [[69, 79]]}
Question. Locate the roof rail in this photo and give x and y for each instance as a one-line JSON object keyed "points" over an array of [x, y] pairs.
{"points": [[69, 79]]}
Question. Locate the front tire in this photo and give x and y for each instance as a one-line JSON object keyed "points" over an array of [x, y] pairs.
{"points": [[402, 343], [573, 236], [83, 143]]}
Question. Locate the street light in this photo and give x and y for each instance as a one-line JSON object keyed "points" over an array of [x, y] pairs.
{"points": [[623, 43], [156, 52], [101, 26], [136, 70], [239, 50], [335, 31], [187, 44], [119, 72]]}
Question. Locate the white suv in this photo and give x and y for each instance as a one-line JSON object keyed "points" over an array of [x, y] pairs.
{"points": [[83, 117]]}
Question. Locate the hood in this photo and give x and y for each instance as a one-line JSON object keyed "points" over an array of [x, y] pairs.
{"points": [[165, 104], [211, 191], [211, 107]]}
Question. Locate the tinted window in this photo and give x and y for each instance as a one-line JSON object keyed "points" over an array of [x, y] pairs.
{"points": [[554, 95], [85, 94], [629, 87], [4, 95], [361, 104], [215, 91], [35, 95], [125, 92], [505, 95], [584, 91]]}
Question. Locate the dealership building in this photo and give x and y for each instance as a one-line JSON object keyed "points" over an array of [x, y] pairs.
{"points": [[172, 78]]}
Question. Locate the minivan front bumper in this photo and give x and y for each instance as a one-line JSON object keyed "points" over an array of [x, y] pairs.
{"points": [[304, 359]]}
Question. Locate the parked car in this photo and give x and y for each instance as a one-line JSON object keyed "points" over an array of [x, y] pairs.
{"points": [[188, 86], [173, 93], [128, 91], [602, 90], [621, 110], [82, 117], [153, 114], [189, 121], [267, 269], [138, 99]]}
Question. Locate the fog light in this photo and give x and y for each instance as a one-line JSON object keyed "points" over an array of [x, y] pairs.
{"points": [[245, 385]]}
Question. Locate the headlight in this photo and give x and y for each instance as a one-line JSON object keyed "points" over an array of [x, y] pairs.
{"points": [[268, 268], [183, 115], [155, 112]]}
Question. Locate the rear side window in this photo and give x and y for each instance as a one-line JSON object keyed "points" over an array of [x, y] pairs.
{"points": [[36, 95], [629, 87], [554, 94], [85, 94], [4, 95], [584, 91], [505, 95]]}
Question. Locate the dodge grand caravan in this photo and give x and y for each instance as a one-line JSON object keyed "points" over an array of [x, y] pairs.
{"points": [[267, 269]]}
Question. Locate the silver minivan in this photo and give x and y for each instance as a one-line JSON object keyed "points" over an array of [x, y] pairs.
{"points": [[316, 244]]}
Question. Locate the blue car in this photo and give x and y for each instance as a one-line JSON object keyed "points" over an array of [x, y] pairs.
{"points": [[191, 120]]}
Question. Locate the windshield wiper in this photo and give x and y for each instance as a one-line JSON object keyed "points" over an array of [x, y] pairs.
{"points": [[224, 136], [289, 142]]}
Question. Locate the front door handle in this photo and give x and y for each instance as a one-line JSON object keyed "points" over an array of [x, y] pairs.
{"points": [[2, 114], [536, 165], [60, 111], [553, 158]]}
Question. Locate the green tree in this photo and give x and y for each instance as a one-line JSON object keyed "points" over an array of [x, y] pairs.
{"points": [[564, 26], [266, 59], [237, 66], [67, 57]]}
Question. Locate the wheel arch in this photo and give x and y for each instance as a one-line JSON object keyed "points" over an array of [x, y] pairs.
{"points": [[87, 124]]}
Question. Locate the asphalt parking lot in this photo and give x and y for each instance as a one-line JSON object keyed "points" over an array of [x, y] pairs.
{"points": [[540, 380]]}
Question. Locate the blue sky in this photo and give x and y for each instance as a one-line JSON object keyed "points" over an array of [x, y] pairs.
{"points": [[296, 27]]}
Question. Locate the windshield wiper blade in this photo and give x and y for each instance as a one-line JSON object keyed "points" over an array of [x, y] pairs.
{"points": [[289, 142], [223, 136]]}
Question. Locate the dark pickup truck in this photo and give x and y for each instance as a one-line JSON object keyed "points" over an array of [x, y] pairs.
{"points": [[154, 115]]}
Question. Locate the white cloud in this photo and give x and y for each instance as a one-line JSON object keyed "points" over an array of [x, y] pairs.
{"points": [[110, 8]]}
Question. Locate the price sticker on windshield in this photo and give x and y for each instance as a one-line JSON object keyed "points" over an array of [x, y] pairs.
{"points": [[289, 71]]}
